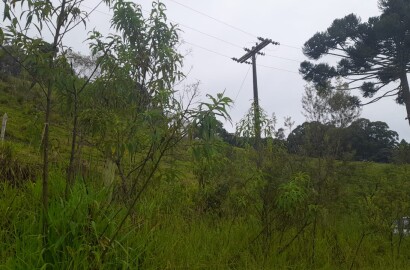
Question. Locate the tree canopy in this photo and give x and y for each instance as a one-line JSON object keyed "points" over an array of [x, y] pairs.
{"points": [[371, 140], [375, 53], [329, 106], [364, 139]]}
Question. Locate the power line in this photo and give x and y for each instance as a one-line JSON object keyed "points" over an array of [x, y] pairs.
{"points": [[88, 14], [206, 49], [209, 35], [222, 40], [230, 43], [242, 84], [291, 46], [213, 18], [227, 24], [226, 56], [299, 48], [192, 44], [283, 58], [212, 51], [99, 11], [275, 68]]}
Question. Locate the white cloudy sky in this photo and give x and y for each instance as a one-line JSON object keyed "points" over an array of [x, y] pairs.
{"points": [[290, 22]]}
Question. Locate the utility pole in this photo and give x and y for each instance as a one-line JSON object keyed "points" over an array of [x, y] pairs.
{"points": [[251, 53]]}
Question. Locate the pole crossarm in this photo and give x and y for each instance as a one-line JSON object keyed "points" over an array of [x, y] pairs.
{"points": [[255, 50], [251, 53]]}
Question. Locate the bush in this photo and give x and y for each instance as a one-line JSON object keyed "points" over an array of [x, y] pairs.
{"points": [[13, 170]]}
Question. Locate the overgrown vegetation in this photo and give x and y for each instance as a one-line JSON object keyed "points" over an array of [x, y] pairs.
{"points": [[137, 173]]}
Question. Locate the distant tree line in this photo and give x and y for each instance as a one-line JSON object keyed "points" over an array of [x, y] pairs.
{"points": [[362, 140]]}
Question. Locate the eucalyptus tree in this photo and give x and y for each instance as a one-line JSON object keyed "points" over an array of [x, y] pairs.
{"points": [[207, 145], [137, 115], [271, 166], [375, 53], [134, 93], [25, 20]]}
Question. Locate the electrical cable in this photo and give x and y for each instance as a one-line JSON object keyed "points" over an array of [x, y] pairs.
{"points": [[226, 56], [211, 36], [242, 84], [215, 52], [206, 49], [299, 48], [227, 24], [215, 19]]}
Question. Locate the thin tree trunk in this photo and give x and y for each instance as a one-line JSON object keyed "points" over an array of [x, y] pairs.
{"points": [[357, 250], [70, 171], [401, 235], [139, 193], [265, 220], [282, 249], [405, 93], [314, 242], [123, 179], [45, 191], [45, 167]]}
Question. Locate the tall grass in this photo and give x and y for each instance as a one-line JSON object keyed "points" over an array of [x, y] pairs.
{"points": [[168, 230]]}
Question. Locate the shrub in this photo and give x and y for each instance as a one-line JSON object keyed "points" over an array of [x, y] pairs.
{"points": [[13, 170]]}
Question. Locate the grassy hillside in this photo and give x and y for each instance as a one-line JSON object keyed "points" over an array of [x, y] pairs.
{"points": [[292, 213]]}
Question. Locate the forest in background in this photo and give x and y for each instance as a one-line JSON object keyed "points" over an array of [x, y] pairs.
{"points": [[110, 162]]}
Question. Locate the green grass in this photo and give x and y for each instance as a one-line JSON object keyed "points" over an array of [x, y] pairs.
{"points": [[159, 237], [175, 225]]}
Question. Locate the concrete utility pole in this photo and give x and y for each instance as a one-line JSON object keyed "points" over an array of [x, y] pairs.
{"points": [[251, 53]]}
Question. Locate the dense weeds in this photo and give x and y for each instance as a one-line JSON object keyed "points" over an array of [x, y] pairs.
{"points": [[13, 170]]}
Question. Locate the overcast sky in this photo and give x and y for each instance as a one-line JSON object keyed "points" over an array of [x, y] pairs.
{"points": [[290, 22]]}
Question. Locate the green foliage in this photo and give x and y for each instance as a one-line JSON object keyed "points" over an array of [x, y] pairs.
{"points": [[363, 139], [313, 139], [372, 140], [133, 114], [246, 126], [14, 170], [167, 231], [207, 147], [158, 188], [205, 122], [375, 52], [145, 50], [401, 154], [330, 106], [8, 64], [293, 195]]}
